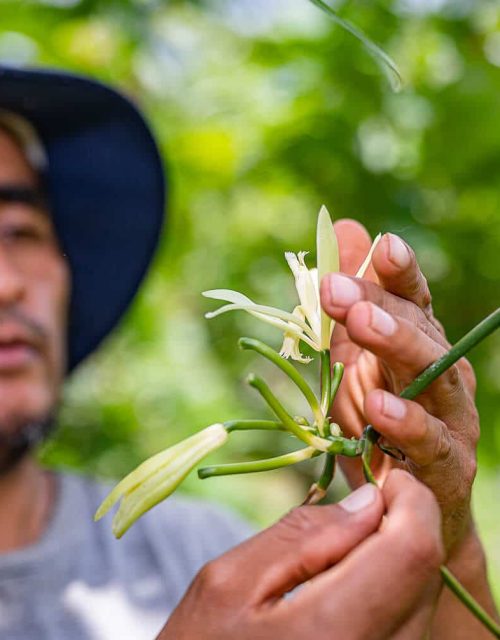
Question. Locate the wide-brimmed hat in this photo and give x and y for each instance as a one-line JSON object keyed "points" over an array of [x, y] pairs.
{"points": [[106, 189]]}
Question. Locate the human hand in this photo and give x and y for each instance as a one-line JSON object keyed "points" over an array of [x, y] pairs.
{"points": [[361, 579], [386, 335]]}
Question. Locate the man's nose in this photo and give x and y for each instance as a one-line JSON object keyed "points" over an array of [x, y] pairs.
{"points": [[12, 282]]}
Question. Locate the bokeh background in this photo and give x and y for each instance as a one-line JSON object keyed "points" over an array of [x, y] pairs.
{"points": [[264, 110]]}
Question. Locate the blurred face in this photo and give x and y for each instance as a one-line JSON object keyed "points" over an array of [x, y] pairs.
{"points": [[34, 295]]}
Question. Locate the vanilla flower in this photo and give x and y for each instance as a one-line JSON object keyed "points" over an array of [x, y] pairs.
{"points": [[307, 322]]}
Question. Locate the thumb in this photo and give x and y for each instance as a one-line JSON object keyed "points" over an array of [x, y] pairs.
{"points": [[301, 545]]}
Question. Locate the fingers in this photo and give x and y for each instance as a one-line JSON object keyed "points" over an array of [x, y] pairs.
{"points": [[434, 456], [339, 293], [399, 272], [304, 543], [354, 244], [374, 590], [406, 351], [407, 425]]}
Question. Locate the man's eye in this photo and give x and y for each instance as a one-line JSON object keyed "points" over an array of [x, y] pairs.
{"points": [[20, 233]]}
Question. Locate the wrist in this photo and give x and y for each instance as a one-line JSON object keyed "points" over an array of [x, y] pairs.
{"points": [[466, 559]]}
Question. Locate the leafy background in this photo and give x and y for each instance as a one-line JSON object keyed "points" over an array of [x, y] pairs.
{"points": [[265, 110]]}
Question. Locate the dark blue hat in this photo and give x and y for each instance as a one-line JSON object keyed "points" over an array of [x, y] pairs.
{"points": [[106, 189]]}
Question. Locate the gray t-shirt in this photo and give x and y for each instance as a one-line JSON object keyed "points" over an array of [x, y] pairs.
{"points": [[79, 583]]}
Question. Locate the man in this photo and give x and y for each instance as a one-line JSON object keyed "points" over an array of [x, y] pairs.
{"points": [[81, 204]]}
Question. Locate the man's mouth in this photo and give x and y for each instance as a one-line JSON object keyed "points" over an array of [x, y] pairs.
{"points": [[17, 349]]}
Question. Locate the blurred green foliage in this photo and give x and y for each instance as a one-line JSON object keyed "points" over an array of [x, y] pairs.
{"points": [[265, 110]]}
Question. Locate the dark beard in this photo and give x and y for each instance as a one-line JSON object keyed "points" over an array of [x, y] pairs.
{"points": [[14, 447]]}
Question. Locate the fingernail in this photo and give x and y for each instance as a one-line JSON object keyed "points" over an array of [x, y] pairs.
{"points": [[393, 407], [359, 499], [382, 322], [344, 291], [399, 253]]}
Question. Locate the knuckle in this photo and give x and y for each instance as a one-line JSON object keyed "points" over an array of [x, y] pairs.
{"points": [[443, 445], [423, 543], [450, 384], [470, 471], [423, 495], [419, 430], [298, 521], [468, 374], [473, 426], [454, 380], [425, 295], [214, 578], [425, 550], [420, 290]]}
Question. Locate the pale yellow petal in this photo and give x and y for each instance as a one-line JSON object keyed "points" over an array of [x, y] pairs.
{"points": [[366, 262], [327, 262], [163, 483]]}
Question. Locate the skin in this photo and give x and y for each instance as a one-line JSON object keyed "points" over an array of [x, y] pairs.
{"points": [[34, 294], [339, 556], [386, 334], [366, 577]]}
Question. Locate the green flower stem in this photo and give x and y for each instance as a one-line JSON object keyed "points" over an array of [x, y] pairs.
{"points": [[337, 375], [433, 371], [328, 472], [259, 465], [288, 369], [454, 585], [349, 447], [326, 390], [287, 420], [370, 437], [248, 425]]}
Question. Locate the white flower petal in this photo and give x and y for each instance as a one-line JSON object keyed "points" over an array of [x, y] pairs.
{"points": [[290, 347], [306, 289], [277, 317], [228, 295]]}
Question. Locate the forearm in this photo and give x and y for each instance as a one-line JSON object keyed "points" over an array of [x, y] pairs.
{"points": [[452, 620]]}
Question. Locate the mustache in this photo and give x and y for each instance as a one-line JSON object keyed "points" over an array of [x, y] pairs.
{"points": [[34, 330]]}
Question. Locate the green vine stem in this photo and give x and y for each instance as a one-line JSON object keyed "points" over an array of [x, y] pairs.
{"points": [[288, 369], [473, 606], [259, 465], [433, 371]]}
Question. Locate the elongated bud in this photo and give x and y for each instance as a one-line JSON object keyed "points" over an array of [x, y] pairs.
{"points": [[159, 476]]}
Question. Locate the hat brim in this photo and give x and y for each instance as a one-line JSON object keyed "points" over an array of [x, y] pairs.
{"points": [[106, 187]]}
